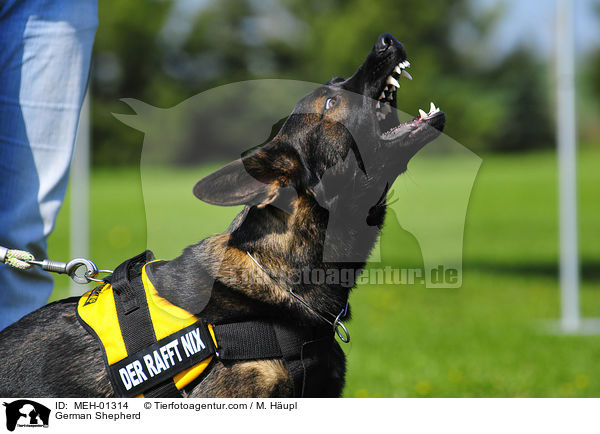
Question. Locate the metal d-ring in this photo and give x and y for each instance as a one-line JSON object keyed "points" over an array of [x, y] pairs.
{"points": [[337, 324], [94, 279]]}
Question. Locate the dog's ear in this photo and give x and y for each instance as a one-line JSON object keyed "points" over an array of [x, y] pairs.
{"points": [[254, 179]]}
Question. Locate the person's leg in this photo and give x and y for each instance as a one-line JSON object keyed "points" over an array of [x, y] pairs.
{"points": [[45, 51]]}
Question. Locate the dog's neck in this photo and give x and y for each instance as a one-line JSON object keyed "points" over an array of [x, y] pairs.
{"points": [[266, 253]]}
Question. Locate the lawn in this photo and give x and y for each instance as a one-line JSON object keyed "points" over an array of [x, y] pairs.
{"points": [[484, 339]]}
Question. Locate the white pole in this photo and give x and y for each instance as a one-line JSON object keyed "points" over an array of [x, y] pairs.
{"points": [[567, 166], [80, 190]]}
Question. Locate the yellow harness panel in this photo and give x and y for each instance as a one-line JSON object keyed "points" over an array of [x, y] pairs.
{"points": [[97, 309]]}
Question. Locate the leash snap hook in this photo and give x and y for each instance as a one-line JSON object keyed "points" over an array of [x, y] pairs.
{"points": [[90, 273]]}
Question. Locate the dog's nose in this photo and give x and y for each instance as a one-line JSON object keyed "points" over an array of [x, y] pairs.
{"points": [[384, 41]]}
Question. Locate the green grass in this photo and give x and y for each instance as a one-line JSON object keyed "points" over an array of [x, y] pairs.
{"points": [[485, 339]]}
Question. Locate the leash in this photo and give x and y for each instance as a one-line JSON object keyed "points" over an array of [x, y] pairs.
{"points": [[23, 260]]}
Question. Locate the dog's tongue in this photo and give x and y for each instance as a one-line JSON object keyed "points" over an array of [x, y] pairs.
{"points": [[399, 131], [406, 127]]}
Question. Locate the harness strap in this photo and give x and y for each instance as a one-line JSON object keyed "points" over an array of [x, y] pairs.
{"points": [[134, 316], [254, 340], [126, 281], [291, 349], [247, 341]]}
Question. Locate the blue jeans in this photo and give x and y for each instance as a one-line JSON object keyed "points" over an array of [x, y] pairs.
{"points": [[45, 51]]}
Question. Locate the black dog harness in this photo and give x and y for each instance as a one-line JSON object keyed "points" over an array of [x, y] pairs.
{"points": [[153, 348]]}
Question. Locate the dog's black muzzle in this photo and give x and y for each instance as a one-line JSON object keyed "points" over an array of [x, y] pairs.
{"points": [[370, 78]]}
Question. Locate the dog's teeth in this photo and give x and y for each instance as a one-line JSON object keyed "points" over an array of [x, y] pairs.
{"points": [[391, 80], [406, 64], [405, 74], [385, 89], [378, 105], [397, 69], [433, 109], [422, 114], [382, 96]]}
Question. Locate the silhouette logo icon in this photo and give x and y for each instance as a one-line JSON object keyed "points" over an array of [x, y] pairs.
{"points": [[26, 413]]}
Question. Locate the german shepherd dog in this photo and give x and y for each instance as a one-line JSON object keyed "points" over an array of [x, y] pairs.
{"points": [[334, 158]]}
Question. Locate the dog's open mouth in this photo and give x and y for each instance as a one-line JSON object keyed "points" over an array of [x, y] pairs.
{"points": [[386, 107]]}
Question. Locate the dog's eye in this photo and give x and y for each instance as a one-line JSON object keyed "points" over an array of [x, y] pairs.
{"points": [[330, 103]]}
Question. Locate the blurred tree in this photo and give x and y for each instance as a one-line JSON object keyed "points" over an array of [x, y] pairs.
{"points": [[344, 31], [526, 124], [595, 63], [163, 52], [127, 63]]}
